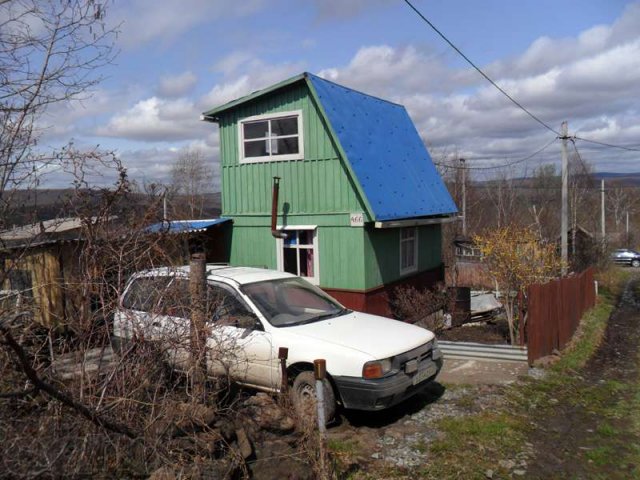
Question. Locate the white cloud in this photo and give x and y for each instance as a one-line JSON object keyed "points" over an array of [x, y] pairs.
{"points": [[392, 72], [244, 73], [156, 120], [177, 85]]}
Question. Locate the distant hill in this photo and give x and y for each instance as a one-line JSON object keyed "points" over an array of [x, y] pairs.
{"points": [[30, 206], [632, 178]]}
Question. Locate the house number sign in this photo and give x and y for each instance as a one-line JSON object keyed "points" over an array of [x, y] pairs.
{"points": [[357, 219]]}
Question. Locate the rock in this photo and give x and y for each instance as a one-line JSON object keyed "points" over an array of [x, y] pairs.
{"points": [[185, 417], [375, 455], [278, 460], [268, 415], [519, 473], [507, 464], [244, 445], [546, 362], [488, 473]]}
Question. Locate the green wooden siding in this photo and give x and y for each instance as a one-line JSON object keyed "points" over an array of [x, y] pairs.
{"points": [[341, 257], [253, 247], [382, 253], [317, 184]]}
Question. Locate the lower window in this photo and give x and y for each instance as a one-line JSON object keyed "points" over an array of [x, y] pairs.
{"points": [[298, 253], [408, 250]]}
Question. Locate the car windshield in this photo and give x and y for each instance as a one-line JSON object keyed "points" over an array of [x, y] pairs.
{"points": [[292, 301]]}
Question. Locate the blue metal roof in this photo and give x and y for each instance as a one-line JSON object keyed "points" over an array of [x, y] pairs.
{"points": [[386, 153], [185, 226]]}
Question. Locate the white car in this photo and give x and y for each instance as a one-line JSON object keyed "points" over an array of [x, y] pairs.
{"points": [[372, 362]]}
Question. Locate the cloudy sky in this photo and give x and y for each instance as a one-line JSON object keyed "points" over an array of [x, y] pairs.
{"points": [[568, 60]]}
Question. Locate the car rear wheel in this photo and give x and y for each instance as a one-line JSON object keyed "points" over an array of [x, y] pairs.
{"points": [[635, 263], [303, 397]]}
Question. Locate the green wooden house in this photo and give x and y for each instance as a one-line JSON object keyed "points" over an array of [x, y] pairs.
{"points": [[359, 204]]}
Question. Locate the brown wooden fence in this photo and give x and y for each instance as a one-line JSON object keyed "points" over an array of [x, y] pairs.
{"points": [[554, 312]]}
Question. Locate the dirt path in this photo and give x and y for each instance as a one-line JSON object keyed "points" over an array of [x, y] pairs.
{"points": [[589, 430]]}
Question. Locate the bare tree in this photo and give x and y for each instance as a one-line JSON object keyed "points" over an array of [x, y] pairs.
{"points": [[503, 197], [50, 53], [192, 177]]}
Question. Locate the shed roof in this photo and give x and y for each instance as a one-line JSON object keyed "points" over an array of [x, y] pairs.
{"points": [[381, 146], [185, 226]]}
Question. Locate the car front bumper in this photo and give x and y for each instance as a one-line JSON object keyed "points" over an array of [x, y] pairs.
{"points": [[362, 394]]}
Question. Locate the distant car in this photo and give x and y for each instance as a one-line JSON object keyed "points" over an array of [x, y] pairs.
{"points": [[372, 362], [626, 256]]}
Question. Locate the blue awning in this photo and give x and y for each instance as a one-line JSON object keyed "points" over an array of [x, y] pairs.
{"points": [[185, 226]]}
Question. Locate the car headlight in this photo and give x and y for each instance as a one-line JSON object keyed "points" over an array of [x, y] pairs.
{"points": [[376, 368]]}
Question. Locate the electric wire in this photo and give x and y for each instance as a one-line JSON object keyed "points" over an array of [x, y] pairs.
{"points": [[610, 145], [493, 167], [500, 89]]}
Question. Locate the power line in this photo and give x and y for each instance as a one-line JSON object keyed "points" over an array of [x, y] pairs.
{"points": [[518, 104], [501, 90], [584, 166], [493, 167], [611, 145]]}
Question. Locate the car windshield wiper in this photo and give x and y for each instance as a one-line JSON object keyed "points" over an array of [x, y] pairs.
{"points": [[324, 316]]}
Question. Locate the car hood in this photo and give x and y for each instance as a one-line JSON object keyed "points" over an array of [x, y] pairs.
{"points": [[376, 336]]}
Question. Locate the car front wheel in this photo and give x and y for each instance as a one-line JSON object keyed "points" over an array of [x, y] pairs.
{"points": [[303, 397], [635, 263]]}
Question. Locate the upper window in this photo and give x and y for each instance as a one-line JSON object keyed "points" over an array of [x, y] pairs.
{"points": [[265, 138], [408, 250]]}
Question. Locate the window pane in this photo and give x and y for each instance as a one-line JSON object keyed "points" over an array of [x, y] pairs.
{"points": [[284, 126], [306, 262], [176, 300], [292, 237], [406, 233], [256, 130], [145, 292], [410, 246], [256, 148], [306, 237], [284, 146], [290, 261], [303, 262]]}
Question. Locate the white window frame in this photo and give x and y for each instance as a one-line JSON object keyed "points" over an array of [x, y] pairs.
{"points": [[402, 241], [315, 280], [271, 157]]}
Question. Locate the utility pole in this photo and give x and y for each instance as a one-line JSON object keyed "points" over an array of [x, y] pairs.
{"points": [[564, 224], [602, 232], [464, 198], [628, 228]]}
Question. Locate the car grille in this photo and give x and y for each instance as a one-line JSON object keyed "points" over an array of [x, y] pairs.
{"points": [[419, 355]]}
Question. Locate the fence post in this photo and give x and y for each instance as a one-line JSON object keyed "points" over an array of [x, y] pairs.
{"points": [[197, 292], [520, 318], [320, 370]]}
